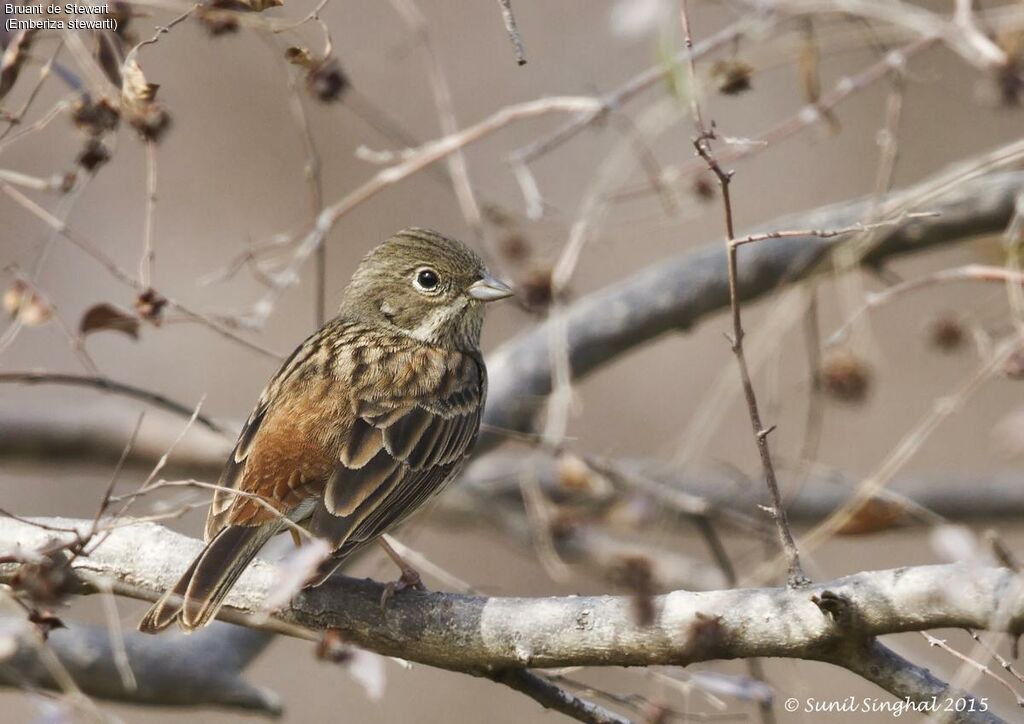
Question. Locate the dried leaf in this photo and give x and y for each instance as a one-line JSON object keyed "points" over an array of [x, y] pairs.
{"points": [[298, 56], [95, 118], [45, 621], [150, 306], [135, 90], [295, 570], [138, 99], [326, 80], [217, 20], [14, 58], [23, 302], [873, 515], [946, 333], [574, 474], [535, 291], [93, 155], [732, 77], [105, 316], [150, 120], [845, 377], [258, 6]]}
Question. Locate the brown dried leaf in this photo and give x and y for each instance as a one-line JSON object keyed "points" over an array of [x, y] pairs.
{"points": [[135, 90], [258, 6], [105, 316], [872, 516], [946, 333], [93, 155], [14, 58], [299, 56], [326, 80], [46, 581], [150, 120], [217, 19], [45, 621], [535, 291], [731, 77], [845, 377], [95, 118], [23, 302], [150, 306]]}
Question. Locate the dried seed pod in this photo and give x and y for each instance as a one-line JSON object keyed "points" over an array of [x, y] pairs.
{"points": [[150, 120], [150, 306], [93, 155], [45, 581], [326, 80], [535, 291], [946, 334], [515, 247], [299, 56], [217, 20], [704, 187], [23, 302], [95, 118], [731, 77], [845, 377]]}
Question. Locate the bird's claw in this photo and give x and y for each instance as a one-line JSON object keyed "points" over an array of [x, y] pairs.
{"points": [[410, 578]]}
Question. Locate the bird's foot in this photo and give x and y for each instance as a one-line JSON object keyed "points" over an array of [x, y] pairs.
{"points": [[410, 578]]}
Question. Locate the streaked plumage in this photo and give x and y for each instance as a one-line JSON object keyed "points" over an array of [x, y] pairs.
{"points": [[371, 416]]}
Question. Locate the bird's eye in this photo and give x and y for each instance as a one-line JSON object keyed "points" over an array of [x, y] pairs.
{"points": [[426, 280]]}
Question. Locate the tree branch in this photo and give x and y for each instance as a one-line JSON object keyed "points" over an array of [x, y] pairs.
{"points": [[477, 634], [175, 670], [678, 292]]}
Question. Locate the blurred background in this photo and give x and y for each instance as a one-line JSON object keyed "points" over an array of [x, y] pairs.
{"points": [[230, 174]]}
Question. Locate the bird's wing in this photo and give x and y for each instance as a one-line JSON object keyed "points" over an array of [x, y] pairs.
{"points": [[286, 450], [417, 416]]}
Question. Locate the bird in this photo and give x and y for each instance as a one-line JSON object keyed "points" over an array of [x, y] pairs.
{"points": [[369, 418]]}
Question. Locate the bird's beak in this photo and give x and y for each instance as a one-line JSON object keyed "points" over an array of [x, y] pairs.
{"points": [[489, 289]]}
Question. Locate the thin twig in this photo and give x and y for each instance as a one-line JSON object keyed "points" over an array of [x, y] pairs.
{"points": [[108, 385], [702, 144], [513, 30]]}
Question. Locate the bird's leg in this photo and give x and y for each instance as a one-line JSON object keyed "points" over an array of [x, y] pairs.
{"points": [[296, 538], [410, 577]]}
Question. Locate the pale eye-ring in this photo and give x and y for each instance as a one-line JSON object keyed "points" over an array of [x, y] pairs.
{"points": [[426, 280]]}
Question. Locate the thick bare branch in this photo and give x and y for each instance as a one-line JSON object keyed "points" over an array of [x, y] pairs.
{"points": [[474, 633], [680, 291], [176, 670]]}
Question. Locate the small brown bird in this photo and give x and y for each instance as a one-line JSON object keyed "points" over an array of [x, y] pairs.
{"points": [[369, 418]]}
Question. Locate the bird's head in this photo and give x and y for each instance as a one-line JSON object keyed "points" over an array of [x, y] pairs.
{"points": [[426, 285]]}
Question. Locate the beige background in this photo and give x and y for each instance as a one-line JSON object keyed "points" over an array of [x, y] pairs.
{"points": [[231, 171]]}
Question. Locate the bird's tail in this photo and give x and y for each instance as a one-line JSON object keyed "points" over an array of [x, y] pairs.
{"points": [[197, 596]]}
